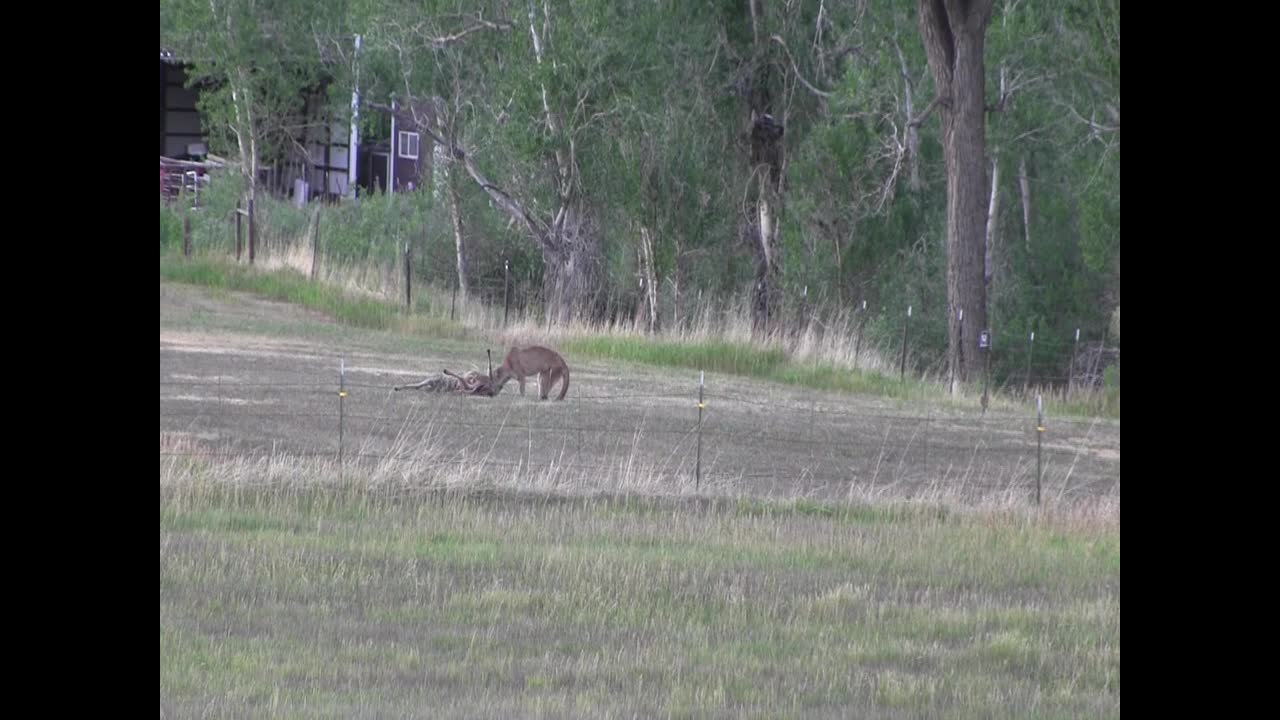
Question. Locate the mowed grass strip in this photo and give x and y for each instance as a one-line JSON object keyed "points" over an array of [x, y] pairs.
{"points": [[343, 602]]}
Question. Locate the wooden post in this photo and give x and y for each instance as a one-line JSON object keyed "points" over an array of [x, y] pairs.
{"points": [[315, 240], [951, 381], [1026, 384], [984, 343], [1071, 369], [253, 233], [765, 295], [342, 396], [902, 372], [239, 232], [804, 310], [857, 345], [1039, 439], [506, 290], [186, 217], [408, 278]]}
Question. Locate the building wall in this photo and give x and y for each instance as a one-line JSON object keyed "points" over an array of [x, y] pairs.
{"points": [[328, 148], [327, 145], [179, 119], [408, 170]]}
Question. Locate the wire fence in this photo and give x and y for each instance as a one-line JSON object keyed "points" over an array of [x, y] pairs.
{"points": [[1066, 357], [732, 441]]}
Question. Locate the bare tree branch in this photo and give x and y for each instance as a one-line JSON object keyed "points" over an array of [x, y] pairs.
{"points": [[1009, 87], [440, 41], [536, 226], [796, 70], [896, 150], [755, 23], [928, 109], [913, 131], [847, 50], [1097, 128]]}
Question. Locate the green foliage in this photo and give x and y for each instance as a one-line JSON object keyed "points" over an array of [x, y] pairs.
{"points": [[170, 228], [254, 61], [651, 110], [373, 228]]}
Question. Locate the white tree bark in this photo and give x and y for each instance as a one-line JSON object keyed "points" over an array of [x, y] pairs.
{"points": [[993, 211], [650, 278], [1025, 183]]}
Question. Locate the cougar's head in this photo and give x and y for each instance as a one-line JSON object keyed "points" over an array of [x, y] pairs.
{"points": [[501, 376]]}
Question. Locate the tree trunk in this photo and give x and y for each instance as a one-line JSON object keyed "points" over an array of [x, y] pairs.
{"points": [[570, 281], [913, 129], [954, 36], [576, 281], [675, 302], [992, 220], [650, 279], [573, 282], [1025, 184], [766, 169], [456, 212], [572, 263], [247, 143], [675, 289]]}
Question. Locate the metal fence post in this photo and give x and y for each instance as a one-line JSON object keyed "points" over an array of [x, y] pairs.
{"points": [[698, 469]]}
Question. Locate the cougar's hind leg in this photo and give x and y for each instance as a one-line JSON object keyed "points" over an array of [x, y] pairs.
{"points": [[561, 375]]}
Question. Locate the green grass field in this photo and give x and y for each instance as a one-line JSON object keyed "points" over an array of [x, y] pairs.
{"points": [[352, 600]]}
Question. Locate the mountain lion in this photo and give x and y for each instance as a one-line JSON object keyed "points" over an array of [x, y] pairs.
{"points": [[533, 360]]}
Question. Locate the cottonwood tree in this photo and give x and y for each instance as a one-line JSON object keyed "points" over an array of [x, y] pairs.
{"points": [[954, 34], [256, 59], [533, 95]]}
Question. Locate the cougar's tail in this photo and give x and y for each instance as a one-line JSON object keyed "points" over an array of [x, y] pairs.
{"points": [[564, 390]]}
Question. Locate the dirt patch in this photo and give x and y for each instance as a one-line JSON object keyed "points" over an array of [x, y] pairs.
{"points": [[279, 392]]}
